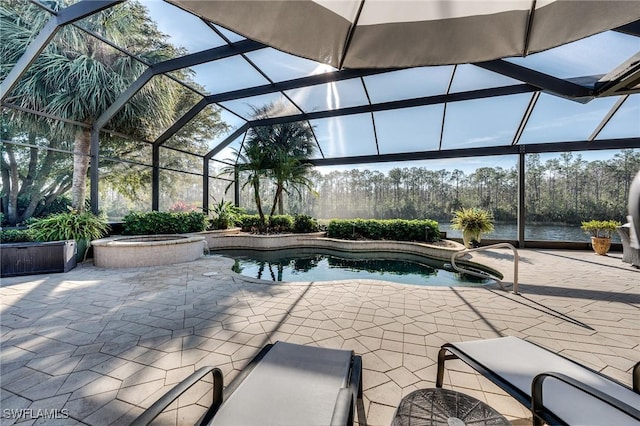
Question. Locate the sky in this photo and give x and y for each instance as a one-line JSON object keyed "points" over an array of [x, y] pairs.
{"points": [[474, 123]]}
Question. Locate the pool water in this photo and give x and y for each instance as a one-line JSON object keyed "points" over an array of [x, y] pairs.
{"points": [[315, 264]]}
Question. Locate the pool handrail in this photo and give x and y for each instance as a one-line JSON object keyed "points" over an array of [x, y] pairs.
{"points": [[481, 275]]}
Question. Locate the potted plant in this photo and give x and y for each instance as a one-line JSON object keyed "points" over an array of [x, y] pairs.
{"points": [[472, 222], [600, 231], [73, 225]]}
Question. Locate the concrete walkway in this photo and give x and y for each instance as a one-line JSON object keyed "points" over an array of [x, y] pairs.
{"points": [[96, 346]]}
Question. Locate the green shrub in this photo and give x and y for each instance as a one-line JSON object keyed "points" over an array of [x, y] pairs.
{"points": [[600, 228], [249, 222], [275, 223], [15, 236], [225, 215], [193, 221], [69, 226], [472, 220], [146, 223], [72, 225], [391, 229], [303, 224], [280, 223]]}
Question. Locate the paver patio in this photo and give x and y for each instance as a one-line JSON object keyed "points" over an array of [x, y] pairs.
{"points": [[101, 345]]}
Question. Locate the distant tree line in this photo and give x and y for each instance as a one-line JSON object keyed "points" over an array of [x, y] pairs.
{"points": [[564, 189]]}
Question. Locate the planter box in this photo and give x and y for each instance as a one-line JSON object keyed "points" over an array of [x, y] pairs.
{"points": [[37, 258]]}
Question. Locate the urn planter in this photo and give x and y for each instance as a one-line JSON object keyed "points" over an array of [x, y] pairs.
{"points": [[601, 245]]}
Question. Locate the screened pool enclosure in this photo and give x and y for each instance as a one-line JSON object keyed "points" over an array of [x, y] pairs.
{"points": [[184, 92]]}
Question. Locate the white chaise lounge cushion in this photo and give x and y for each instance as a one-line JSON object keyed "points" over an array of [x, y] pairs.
{"points": [[518, 362], [291, 385]]}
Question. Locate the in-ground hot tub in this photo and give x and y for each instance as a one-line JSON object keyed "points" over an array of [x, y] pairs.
{"points": [[146, 250]]}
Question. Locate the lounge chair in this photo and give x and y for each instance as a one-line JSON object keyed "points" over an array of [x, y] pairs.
{"points": [[630, 254], [558, 390], [285, 384]]}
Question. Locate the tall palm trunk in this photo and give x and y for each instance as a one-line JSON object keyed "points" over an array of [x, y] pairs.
{"points": [[256, 196], [276, 198], [81, 151], [11, 177]]}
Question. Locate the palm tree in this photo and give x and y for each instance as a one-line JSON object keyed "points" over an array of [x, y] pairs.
{"points": [[77, 77], [278, 153], [291, 175], [253, 162], [288, 145]]}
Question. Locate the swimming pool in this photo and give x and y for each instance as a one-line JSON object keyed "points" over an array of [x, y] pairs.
{"points": [[317, 264]]}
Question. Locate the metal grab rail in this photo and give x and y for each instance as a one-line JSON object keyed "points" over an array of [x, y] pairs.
{"points": [[478, 274]]}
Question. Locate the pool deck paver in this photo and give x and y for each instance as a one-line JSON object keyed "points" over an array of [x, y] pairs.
{"points": [[101, 345]]}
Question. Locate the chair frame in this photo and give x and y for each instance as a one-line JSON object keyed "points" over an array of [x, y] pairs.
{"points": [[534, 400], [344, 411]]}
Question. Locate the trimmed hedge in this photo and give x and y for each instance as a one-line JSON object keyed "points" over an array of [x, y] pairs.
{"points": [[391, 229], [298, 224], [249, 222], [15, 236], [304, 224], [280, 223], [275, 223], [146, 223]]}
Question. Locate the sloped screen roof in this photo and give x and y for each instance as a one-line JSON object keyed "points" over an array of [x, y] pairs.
{"points": [[584, 92]]}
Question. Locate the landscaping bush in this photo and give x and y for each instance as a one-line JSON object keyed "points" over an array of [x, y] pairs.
{"points": [[280, 223], [249, 222], [225, 215], [146, 223], [15, 236], [275, 223], [71, 225], [391, 229], [303, 224]]}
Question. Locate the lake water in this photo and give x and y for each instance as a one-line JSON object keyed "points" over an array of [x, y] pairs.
{"points": [[532, 232]]}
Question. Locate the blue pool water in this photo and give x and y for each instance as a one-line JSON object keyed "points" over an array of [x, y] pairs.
{"points": [[315, 264]]}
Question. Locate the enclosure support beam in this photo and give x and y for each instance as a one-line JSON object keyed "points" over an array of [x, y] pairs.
{"points": [[525, 118], [226, 51], [405, 103], [123, 99], [543, 81], [155, 179], [182, 121], [632, 28], [623, 79], [608, 117], [296, 83], [236, 185], [538, 148], [68, 15], [205, 186], [521, 197], [222, 145], [82, 9], [94, 170], [28, 57]]}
